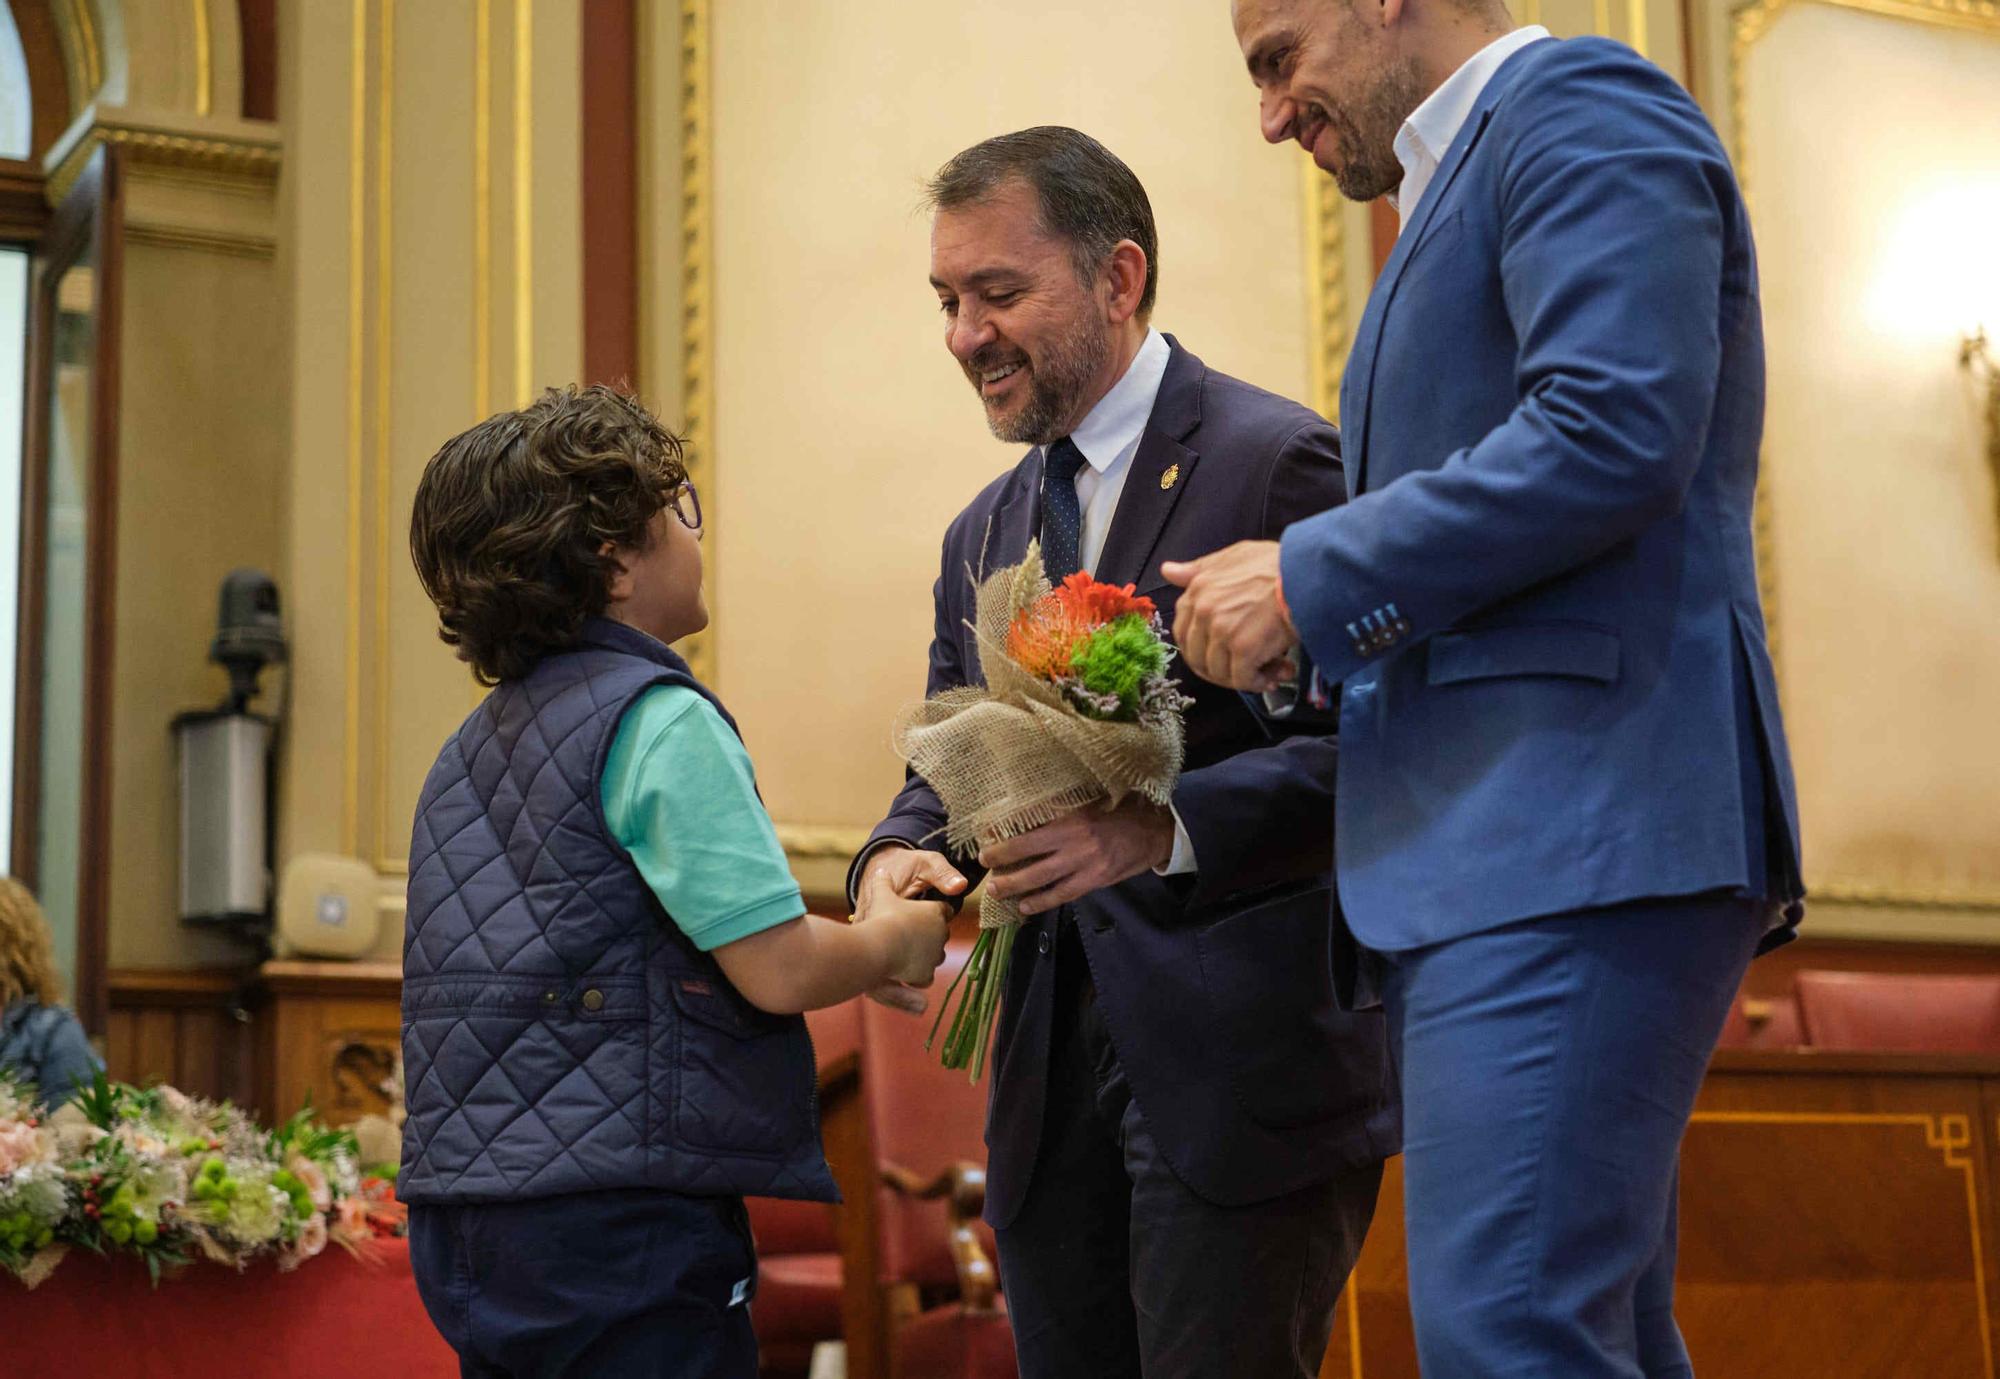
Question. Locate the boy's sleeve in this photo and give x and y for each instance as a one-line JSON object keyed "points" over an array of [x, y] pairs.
{"points": [[680, 797]]}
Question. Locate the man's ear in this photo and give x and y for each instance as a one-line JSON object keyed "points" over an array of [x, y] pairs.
{"points": [[1127, 273]]}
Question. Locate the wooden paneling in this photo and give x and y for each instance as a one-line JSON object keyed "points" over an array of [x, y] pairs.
{"points": [[191, 1029], [1836, 1218]]}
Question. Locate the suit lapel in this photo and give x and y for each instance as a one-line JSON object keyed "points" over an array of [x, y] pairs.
{"points": [[1015, 521], [1358, 386], [1153, 484]]}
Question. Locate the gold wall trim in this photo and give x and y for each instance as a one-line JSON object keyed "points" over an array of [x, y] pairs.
{"points": [[250, 159], [821, 842], [1949, 1133], [482, 210], [1750, 22], [204, 60], [524, 206], [357, 182], [385, 359], [200, 241], [1326, 289], [697, 303]]}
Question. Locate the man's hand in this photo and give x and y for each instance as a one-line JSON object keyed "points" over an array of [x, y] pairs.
{"points": [[1230, 626], [1078, 853], [902, 873]]}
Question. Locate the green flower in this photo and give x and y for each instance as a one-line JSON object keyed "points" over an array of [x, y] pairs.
{"points": [[1118, 659]]}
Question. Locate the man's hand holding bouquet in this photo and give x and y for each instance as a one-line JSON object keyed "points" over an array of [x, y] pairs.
{"points": [[1077, 718]]}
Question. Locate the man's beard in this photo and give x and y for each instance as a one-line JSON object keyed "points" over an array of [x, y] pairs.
{"points": [[1367, 132], [1058, 378]]}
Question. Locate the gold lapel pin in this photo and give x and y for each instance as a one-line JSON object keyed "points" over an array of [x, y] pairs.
{"points": [[1171, 477]]}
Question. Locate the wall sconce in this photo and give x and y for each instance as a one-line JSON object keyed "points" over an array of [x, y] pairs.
{"points": [[1976, 358]]}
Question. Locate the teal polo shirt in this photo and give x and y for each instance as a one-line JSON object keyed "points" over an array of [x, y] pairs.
{"points": [[681, 797]]}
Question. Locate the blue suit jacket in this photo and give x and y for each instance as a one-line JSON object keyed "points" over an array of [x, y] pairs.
{"points": [[1541, 598], [1217, 988]]}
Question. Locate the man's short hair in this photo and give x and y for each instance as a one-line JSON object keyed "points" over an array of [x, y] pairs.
{"points": [[511, 518], [1089, 198]]}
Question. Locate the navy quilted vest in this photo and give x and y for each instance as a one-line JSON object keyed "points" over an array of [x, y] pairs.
{"points": [[560, 1032]]}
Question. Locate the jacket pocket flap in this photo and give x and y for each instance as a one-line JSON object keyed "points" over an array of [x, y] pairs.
{"points": [[708, 1001], [1588, 653]]}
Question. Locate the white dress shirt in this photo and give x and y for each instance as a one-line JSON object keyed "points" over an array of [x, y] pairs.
{"points": [[1108, 436], [1426, 136]]}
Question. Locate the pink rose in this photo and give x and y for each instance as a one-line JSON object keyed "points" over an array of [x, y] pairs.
{"points": [[351, 1218], [314, 1178], [20, 1145]]}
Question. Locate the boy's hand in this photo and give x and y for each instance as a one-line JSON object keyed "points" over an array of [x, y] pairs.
{"points": [[920, 929]]}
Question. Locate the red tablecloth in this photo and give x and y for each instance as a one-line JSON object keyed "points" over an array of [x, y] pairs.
{"points": [[334, 1317]]}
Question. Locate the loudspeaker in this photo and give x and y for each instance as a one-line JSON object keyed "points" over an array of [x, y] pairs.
{"points": [[327, 906]]}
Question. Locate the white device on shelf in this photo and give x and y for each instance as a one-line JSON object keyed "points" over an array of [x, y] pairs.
{"points": [[327, 906]]}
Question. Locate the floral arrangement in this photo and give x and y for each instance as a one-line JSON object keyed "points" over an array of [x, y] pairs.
{"points": [[1077, 711], [171, 1178]]}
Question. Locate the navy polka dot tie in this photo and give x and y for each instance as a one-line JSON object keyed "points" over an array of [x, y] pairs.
{"points": [[1062, 516]]}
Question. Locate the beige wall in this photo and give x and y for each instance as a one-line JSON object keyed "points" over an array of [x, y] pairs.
{"points": [[431, 191], [202, 489], [1882, 549]]}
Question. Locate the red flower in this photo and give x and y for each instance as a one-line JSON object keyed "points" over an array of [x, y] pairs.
{"points": [[1045, 633]]}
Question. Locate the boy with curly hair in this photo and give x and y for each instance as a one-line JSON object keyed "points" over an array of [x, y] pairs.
{"points": [[606, 957]]}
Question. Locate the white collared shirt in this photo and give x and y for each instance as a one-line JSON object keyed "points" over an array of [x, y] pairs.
{"points": [[1426, 136], [1108, 437]]}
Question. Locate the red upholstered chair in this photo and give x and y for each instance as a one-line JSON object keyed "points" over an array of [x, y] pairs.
{"points": [[937, 1312], [1900, 1012], [798, 1249], [1763, 1022]]}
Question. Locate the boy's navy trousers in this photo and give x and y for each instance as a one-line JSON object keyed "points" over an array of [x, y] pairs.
{"points": [[634, 1282]]}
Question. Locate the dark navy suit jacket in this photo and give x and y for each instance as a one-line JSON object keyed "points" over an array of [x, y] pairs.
{"points": [[1217, 988], [1541, 597]]}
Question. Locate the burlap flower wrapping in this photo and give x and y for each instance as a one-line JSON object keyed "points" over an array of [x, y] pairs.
{"points": [[1014, 755]]}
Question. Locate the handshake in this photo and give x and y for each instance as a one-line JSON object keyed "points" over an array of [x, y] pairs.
{"points": [[909, 892]]}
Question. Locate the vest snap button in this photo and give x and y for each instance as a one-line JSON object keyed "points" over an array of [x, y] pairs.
{"points": [[548, 998], [593, 999]]}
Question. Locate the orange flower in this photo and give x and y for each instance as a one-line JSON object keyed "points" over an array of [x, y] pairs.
{"points": [[1045, 634]]}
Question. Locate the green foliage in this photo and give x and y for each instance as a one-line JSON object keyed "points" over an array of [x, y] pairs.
{"points": [[1118, 659]]}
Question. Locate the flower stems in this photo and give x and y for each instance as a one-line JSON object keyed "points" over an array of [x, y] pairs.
{"points": [[984, 977]]}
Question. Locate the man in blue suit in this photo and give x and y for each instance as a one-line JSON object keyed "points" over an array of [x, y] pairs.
{"points": [[1186, 1131], [1565, 815]]}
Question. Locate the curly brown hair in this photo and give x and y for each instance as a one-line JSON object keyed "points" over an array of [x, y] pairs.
{"points": [[511, 520], [27, 951]]}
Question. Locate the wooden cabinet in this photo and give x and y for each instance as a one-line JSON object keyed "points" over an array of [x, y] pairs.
{"points": [[329, 1031]]}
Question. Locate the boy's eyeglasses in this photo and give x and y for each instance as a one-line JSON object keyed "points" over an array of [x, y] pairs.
{"points": [[686, 504]]}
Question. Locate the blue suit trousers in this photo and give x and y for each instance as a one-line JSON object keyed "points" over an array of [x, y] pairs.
{"points": [[1549, 1070]]}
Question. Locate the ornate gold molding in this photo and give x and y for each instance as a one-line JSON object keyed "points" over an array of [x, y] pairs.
{"points": [[698, 301], [215, 154], [1750, 22], [1326, 288]]}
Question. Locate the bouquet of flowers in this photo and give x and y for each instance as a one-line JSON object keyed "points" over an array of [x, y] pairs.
{"points": [[168, 1177], [1077, 710]]}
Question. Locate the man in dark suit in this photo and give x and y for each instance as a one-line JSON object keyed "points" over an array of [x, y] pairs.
{"points": [[1565, 816], [1186, 1131]]}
